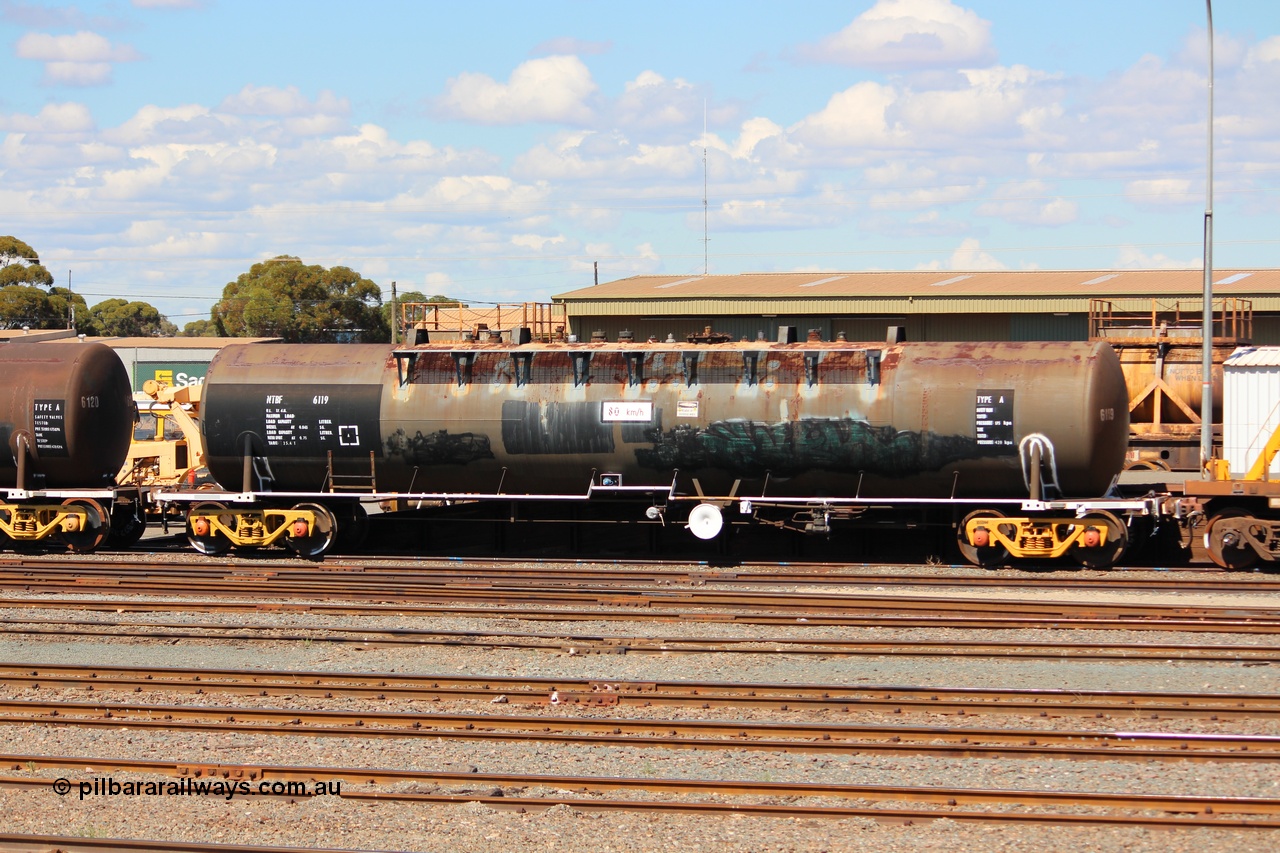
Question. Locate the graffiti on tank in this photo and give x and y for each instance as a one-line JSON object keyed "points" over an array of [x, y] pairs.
{"points": [[789, 448], [438, 448]]}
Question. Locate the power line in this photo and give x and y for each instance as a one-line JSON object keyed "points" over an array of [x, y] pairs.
{"points": [[587, 258], [679, 203]]}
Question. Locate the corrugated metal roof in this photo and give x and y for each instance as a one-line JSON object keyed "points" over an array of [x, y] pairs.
{"points": [[1254, 357], [178, 342], [1035, 284]]}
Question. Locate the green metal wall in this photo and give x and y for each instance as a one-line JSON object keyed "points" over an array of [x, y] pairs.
{"points": [[1048, 327]]}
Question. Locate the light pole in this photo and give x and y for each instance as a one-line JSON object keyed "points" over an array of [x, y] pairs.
{"points": [[1206, 360]]}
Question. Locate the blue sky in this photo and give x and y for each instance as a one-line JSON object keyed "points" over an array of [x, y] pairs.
{"points": [[496, 151]]}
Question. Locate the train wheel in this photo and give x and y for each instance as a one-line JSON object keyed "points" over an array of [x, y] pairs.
{"points": [[1104, 555], [127, 525], [84, 538], [201, 534], [1147, 465], [312, 545], [1225, 546], [977, 554], [353, 529]]}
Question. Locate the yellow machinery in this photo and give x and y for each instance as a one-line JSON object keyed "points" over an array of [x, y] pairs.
{"points": [[1244, 522], [172, 455]]}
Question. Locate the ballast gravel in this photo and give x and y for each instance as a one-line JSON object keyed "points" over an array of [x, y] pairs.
{"points": [[332, 822]]}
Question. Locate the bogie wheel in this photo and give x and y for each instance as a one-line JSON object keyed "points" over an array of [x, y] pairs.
{"points": [[92, 532], [315, 543], [200, 532], [1225, 546], [128, 523], [981, 555], [353, 529], [1147, 465], [1105, 554]]}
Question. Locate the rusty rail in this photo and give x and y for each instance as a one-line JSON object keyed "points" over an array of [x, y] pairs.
{"points": [[821, 737], [548, 691], [1195, 805]]}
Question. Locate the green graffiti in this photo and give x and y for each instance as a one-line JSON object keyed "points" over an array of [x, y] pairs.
{"points": [[749, 449]]}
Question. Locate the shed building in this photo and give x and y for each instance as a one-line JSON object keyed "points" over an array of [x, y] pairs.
{"points": [[931, 305]]}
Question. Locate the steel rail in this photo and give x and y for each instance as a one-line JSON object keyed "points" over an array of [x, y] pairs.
{"points": [[14, 842], [637, 610], [177, 545], [1199, 804], [631, 572], [605, 644], [568, 691], [804, 603], [680, 734], [881, 815], [893, 816]]}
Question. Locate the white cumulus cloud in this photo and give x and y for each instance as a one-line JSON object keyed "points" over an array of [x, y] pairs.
{"points": [[80, 59], [909, 34], [53, 118], [970, 255], [551, 89], [274, 101]]}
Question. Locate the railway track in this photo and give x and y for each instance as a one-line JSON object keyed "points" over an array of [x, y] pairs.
{"points": [[694, 606], [580, 643], [820, 737], [1130, 705], [381, 570], [837, 721], [18, 843], [581, 791]]}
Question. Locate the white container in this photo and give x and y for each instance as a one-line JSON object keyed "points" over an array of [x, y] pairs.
{"points": [[1250, 406]]}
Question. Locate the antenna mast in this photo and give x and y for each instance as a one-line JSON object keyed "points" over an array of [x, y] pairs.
{"points": [[706, 236], [1206, 334]]}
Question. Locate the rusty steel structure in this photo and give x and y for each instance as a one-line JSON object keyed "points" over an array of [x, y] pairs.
{"points": [[66, 417], [534, 321], [908, 420], [1016, 445], [1159, 345]]}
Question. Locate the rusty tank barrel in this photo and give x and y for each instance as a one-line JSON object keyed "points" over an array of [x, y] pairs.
{"points": [[797, 419], [66, 415]]}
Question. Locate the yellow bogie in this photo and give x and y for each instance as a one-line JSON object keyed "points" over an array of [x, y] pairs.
{"points": [[307, 529], [1096, 540], [81, 524]]}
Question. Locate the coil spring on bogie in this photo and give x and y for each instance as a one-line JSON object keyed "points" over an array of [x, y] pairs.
{"points": [[250, 528], [1036, 543]]}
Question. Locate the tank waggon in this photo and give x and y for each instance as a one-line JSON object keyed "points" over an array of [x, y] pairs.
{"points": [[817, 425], [66, 417]]}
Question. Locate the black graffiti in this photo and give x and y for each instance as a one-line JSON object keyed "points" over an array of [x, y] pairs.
{"points": [[749, 448]]}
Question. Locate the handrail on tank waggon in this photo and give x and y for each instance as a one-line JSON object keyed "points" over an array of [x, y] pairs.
{"points": [[1137, 318], [668, 493], [546, 321]]}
